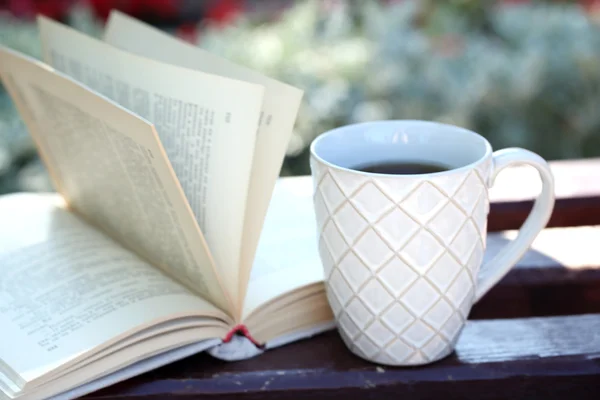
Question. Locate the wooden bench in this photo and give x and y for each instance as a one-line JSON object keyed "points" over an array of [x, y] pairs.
{"points": [[535, 335]]}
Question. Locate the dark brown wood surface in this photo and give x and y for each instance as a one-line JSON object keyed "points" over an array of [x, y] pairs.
{"points": [[577, 193], [522, 358], [535, 335], [559, 275]]}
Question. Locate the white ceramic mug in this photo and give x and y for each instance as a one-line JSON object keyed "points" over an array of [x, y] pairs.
{"points": [[402, 254]]}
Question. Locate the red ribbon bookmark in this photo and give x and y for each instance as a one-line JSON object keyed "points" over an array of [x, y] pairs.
{"points": [[243, 330]]}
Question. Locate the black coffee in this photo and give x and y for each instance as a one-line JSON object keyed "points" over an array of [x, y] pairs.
{"points": [[402, 168]]}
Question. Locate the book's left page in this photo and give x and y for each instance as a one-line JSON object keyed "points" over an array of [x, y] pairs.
{"points": [[206, 123], [112, 169], [69, 292]]}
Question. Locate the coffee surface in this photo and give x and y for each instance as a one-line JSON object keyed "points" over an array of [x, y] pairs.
{"points": [[402, 168]]}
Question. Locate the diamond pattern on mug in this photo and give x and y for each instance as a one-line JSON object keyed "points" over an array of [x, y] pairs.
{"points": [[464, 243], [396, 189], [452, 327], [332, 195], [422, 251], [371, 202], [417, 358], [317, 172], [326, 258], [418, 334], [334, 302], [372, 250], [321, 213], [340, 288], [483, 171], [449, 184], [355, 272], [465, 305], [471, 189], [359, 313], [348, 182], [420, 297], [475, 260], [397, 318], [412, 260], [335, 241], [457, 291], [424, 202], [480, 215], [396, 275], [447, 222], [367, 346], [350, 223], [434, 348], [399, 350], [438, 314], [443, 271], [379, 334], [348, 325], [383, 358], [375, 296], [396, 228]]}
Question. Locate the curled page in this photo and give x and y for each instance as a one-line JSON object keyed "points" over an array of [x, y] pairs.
{"points": [[278, 114], [206, 123], [112, 170]]}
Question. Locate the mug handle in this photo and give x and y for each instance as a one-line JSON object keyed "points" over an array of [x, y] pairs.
{"points": [[495, 269]]}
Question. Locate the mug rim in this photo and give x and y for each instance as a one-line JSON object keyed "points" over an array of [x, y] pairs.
{"points": [[487, 154]]}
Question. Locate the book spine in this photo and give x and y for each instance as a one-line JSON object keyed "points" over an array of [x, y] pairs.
{"points": [[241, 328]]}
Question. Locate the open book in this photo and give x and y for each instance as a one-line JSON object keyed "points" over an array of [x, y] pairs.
{"points": [[169, 232]]}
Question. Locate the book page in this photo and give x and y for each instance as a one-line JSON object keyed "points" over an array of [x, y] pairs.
{"points": [[140, 367], [206, 123], [66, 288], [287, 257], [113, 171], [278, 114]]}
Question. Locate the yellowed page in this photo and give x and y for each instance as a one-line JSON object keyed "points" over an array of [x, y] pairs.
{"points": [[206, 123], [67, 289], [112, 169], [279, 111], [287, 257]]}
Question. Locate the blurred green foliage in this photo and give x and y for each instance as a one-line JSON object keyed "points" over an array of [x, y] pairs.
{"points": [[522, 75]]}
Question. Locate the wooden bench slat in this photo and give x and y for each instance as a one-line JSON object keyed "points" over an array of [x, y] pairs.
{"points": [[573, 178], [542, 349], [556, 255], [534, 338], [559, 275], [577, 195]]}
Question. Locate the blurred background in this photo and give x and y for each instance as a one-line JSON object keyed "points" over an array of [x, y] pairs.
{"points": [[520, 72]]}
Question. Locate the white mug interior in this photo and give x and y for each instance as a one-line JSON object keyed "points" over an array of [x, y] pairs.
{"points": [[353, 146]]}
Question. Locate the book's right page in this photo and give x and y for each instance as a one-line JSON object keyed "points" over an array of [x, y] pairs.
{"points": [[279, 111], [287, 257], [286, 298]]}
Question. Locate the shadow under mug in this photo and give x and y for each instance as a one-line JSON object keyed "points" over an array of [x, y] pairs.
{"points": [[402, 254]]}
